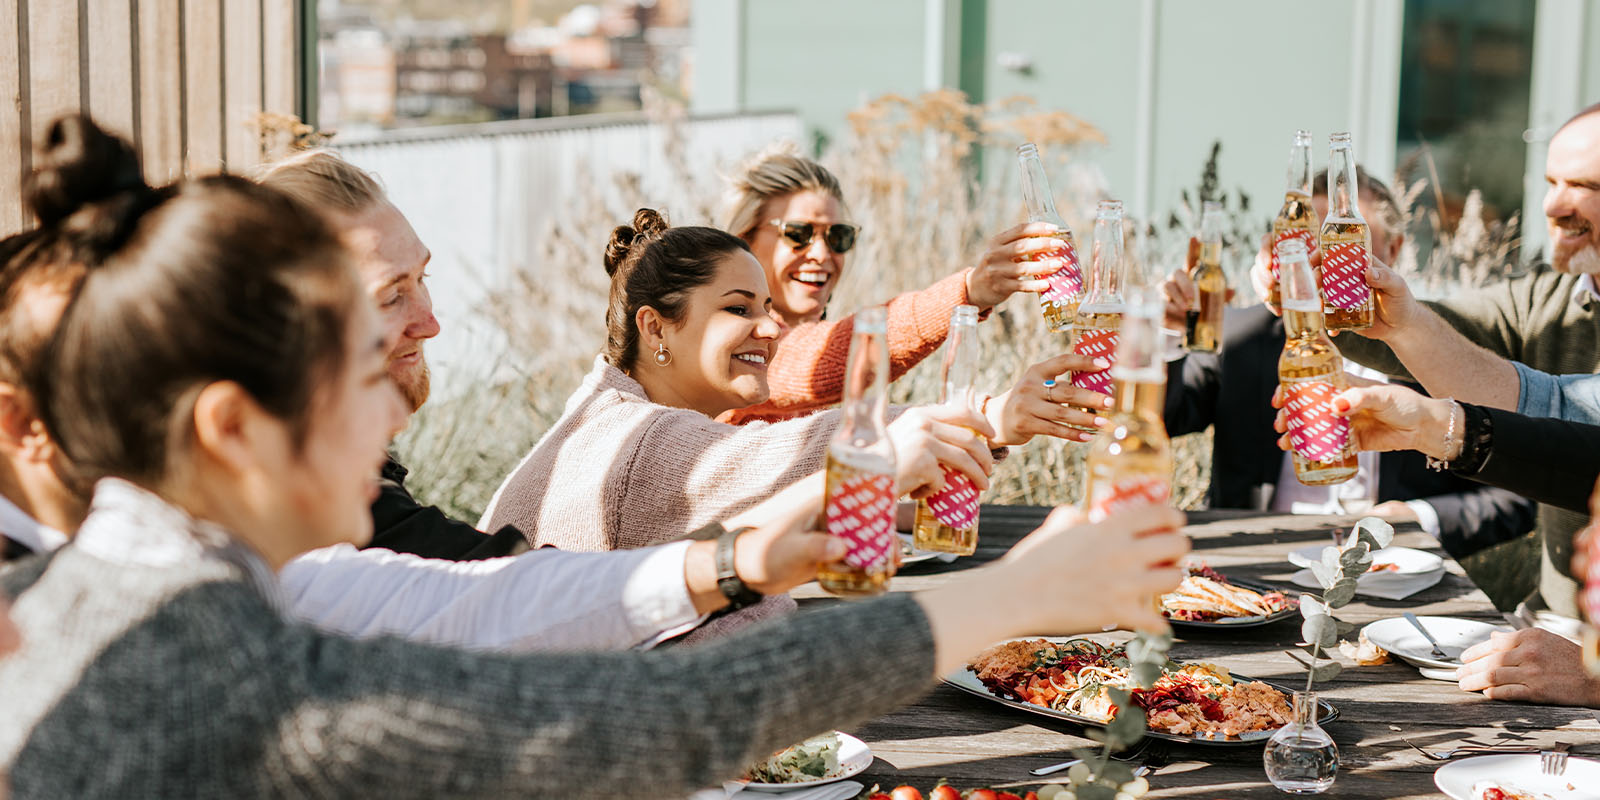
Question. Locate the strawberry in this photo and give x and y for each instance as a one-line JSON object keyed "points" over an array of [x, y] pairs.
{"points": [[904, 792], [944, 791], [982, 794]]}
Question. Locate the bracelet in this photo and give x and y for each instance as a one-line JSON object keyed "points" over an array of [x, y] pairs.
{"points": [[1439, 464], [729, 583], [1477, 440]]}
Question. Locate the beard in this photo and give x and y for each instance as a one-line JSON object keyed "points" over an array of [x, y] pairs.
{"points": [[1584, 261], [414, 385]]}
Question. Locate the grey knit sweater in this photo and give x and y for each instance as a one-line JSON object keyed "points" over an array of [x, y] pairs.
{"points": [[158, 663], [1549, 321]]}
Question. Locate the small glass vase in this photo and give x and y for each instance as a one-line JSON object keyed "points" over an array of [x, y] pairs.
{"points": [[1301, 758]]}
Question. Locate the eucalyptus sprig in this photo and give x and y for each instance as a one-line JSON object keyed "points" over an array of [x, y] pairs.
{"points": [[1099, 777], [1336, 571]]}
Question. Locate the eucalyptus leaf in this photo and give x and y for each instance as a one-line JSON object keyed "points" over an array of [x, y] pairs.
{"points": [[1095, 734], [1127, 729], [1340, 593], [1330, 562], [1116, 773], [1349, 559], [1092, 791], [1346, 628], [1301, 561], [1377, 533], [1320, 630], [1326, 671], [1323, 575], [1145, 674], [1311, 605]]}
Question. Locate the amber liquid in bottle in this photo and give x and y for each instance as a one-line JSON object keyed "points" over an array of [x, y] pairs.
{"points": [[1203, 331], [853, 578], [1092, 325], [1297, 219], [930, 533], [1335, 234], [1059, 313], [1130, 462], [1310, 357]]}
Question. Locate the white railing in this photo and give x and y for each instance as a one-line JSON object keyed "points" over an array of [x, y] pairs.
{"points": [[479, 195]]}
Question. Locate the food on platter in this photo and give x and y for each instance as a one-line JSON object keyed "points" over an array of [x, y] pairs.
{"points": [[1206, 596], [1496, 790], [812, 759], [1364, 652], [1074, 676]]}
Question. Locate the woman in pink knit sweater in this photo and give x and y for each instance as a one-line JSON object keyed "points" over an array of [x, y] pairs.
{"points": [[638, 457], [791, 211]]}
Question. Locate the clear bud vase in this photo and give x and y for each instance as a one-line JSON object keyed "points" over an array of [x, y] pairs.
{"points": [[1301, 758]]}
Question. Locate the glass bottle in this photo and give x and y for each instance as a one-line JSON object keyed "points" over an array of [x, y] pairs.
{"points": [[1311, 372], [1346, 245], [1298, 218], [860, 496], [1203, 328], [1060, 302], [947, 521], [1301, 757], [1130, 460], [1094, 333]]}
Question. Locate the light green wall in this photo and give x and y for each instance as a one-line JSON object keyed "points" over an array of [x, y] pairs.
{"points": [[1591, 56], [719, 43]]}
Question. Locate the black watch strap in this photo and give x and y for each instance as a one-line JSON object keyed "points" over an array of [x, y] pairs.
{"points": [[739, 595]]}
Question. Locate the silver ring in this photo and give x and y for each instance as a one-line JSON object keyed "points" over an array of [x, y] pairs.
{"points": [[1049, 389]]}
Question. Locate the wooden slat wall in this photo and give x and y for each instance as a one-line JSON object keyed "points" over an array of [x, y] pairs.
{"points": [[184, 79]]}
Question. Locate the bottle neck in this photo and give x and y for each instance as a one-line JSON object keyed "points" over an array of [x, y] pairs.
{"points": [[959, 373], [1142, 396], [866, 390], [1300, 170], [1342, 190], [1036, 192], [1108, 267], [1303, 324]]}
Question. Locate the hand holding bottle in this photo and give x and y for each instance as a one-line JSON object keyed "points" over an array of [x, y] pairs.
{"points": [[1032, 409], [1016, 261], [928, 438], [1385, 417]]}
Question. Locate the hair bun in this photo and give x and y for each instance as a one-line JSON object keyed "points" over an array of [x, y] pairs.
{"points": [[78, 165], [648, 225]]}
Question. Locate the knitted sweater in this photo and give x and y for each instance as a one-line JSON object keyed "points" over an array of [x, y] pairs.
{"points": [[618, 471], [158, 664], [807, 369], [1549, 321]]}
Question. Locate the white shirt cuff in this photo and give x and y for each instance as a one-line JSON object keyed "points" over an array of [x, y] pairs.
{"points": [[1426, 516], [656, 597]]}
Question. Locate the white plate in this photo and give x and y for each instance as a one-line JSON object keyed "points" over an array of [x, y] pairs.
{"points": [[1455, 635], [1408, 561], [909, 554], [854, 757], [1580, 782]]}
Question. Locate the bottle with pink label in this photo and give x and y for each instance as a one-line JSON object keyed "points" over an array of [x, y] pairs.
{"points": [[860, 495], [947, 521], [1311, 372], [1346, 245], [1059, 302], [1297, 219], [1094, 333], [1130, 460]]}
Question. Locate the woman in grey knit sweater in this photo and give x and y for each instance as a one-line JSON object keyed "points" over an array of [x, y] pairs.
{"points": [[221, 368]]}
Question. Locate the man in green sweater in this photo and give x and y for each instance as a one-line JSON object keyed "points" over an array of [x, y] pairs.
{"points": [[1547, 318]]}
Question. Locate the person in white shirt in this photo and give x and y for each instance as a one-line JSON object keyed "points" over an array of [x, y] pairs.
{"points": [[545, 599]]}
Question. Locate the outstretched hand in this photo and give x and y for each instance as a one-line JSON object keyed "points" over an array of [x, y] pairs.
{"points": [[1385, 417], [1030, 409], [1014, 263], [929, 439]]}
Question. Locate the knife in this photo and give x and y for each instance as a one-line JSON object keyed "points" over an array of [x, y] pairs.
{"points": [[1417, 623]]}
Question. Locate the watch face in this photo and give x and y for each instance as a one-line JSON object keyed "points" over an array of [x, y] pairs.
{"points": [[728, 581]]}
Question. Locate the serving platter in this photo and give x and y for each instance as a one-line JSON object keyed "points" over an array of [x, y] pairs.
{"points": [[967, 681], [854, 758], [1246, 622]]}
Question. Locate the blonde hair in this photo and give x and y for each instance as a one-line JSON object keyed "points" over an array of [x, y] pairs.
{"points": [[320, 179], [776, 171]]}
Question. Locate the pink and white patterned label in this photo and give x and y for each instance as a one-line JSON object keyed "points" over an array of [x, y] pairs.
{"points": [[1304, 235], [956, 504], [1095, 343], [861, 511], [1344, 275], [1115, 496], [1590, 598], [1067, 282], [1315, 431]]}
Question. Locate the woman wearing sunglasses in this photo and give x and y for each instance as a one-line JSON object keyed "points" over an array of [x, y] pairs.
{"points": [[639, 457], [791, 211], [221, 368]]}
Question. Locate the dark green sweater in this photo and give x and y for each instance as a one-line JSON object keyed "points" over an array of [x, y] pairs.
{"points": [[1545, 320]]}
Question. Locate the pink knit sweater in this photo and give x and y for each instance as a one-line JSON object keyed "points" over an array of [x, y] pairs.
{"points": [[618, 471], [807, 369]]}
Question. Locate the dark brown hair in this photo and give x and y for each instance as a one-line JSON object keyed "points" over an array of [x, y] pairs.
{"points": [[218, 279], [652, 264]]}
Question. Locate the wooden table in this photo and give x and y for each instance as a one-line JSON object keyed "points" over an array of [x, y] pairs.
{"points": [[973, 742]]}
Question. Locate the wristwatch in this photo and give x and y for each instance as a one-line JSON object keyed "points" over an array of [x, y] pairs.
{"points": [[733, 587]]}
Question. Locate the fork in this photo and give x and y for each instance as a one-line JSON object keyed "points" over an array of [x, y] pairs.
{"points": [[1554, 762], [1446, 755]]}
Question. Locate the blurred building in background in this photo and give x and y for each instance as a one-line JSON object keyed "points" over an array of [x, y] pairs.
{"points": [[1473, 86]]}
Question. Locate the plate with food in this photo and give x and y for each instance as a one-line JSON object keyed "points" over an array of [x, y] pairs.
{"points": [[1396, 572], [1454, 635], [1207, 599], [1518, 777], [829, 757], [1068, 678]]}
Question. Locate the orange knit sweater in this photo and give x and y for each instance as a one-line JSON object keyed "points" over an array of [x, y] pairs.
{"points": [[807, 370]]}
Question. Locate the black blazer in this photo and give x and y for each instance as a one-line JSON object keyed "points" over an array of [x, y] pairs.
{"points": [[1233, 392], [401, 524]]}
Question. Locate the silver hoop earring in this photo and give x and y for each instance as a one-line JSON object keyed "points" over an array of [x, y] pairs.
{"points": [[663, 357]]}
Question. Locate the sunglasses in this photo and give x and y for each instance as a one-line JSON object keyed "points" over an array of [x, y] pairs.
{"points": [[839, 237]]}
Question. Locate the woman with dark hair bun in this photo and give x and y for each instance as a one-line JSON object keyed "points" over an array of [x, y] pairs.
{"points": [[223, 373]]}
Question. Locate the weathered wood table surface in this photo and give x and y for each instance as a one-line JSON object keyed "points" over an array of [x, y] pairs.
{"points": [[974, 742]]}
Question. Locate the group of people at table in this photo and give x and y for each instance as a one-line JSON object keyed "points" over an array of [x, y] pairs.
{"points": [[219, 585]]}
